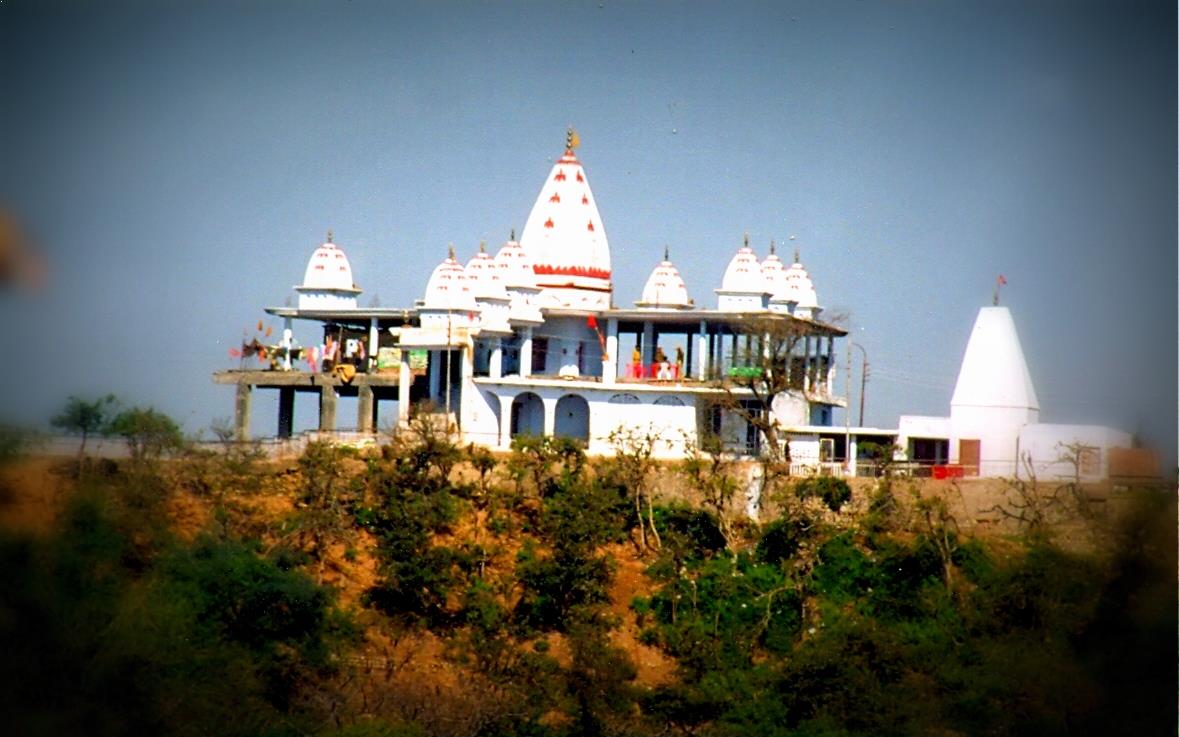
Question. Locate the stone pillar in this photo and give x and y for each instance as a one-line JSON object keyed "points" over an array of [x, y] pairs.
{"points": [[365, 404], [241, 411], [404, 380], [495, 368], [286, 411], [526, 354], [327, 407], [610, 359]]}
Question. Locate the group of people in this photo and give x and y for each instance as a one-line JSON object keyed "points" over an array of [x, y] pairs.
{"points": [[661, 366]]}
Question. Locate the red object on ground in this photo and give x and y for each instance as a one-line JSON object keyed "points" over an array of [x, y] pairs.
{"points": [[948, 471]]}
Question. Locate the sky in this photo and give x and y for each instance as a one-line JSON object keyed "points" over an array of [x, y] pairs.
{"points": [[179, 162]]}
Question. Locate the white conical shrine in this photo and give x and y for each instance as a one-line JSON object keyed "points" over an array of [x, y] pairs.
{"points": [[800, 291], [449, 300], [515, 271], [994, 397], [565, 238], [490, 295], [777, 284], [743, 287], [665, 288], [327, 282]]}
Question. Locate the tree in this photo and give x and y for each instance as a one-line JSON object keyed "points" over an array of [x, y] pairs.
{"points": [[84, 418], [767, 368], [149, 434], [632, 459]]}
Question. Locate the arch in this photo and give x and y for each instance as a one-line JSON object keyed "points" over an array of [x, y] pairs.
{"points": [[572, 419], [527, 415], [669, 401], [624, 399]]}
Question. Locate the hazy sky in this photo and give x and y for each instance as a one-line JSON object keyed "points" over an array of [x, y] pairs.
{"points": [[180, 162]]}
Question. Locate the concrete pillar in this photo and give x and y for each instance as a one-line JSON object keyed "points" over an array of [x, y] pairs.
{"points": [[241, 411], [364, 408], [526, 354], [648, 343], [610, 359], [505, 421], [404, 379], [550, 415], [702, 352], [286, 411], [830, 364], [287, 342], [436, 381], [806, 364], [327, 407], [373, 343], [495, 368]]}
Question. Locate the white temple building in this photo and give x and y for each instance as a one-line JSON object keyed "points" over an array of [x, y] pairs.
{"points": [[994, 428], [530, 341]]}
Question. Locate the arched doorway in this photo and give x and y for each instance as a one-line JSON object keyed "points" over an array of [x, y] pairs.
{"points": [[527, 415], [572, 419]]}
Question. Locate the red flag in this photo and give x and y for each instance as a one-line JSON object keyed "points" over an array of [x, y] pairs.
{"points": [[1002, 279], [592, 322]]}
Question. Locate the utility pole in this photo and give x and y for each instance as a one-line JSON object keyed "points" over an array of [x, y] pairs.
{"points": [[847, 414], [863, 377]]}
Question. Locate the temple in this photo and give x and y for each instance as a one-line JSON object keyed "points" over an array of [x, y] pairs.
{"points": [[531, 341]]}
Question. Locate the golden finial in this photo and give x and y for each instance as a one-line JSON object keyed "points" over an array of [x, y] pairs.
{"points": [[482, 246], [747, 239], [450, 251], [666, 254], [572, 140], [329, 240], [773, 247], [512, 237]]}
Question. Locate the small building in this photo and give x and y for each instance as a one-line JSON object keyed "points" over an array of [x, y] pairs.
{"points": [[994, 428]]}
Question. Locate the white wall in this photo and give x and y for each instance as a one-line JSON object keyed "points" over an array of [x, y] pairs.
{"points": [[1046, 446]]}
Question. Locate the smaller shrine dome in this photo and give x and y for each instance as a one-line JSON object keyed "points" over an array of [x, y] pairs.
{"points": [[744, 273], [328, 270], [774, 272], [483, 276], [799, 288], [514, 265], [665, 287], [449, 288]]}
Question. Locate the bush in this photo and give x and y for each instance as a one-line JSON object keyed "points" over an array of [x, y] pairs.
{"points": [[833, 492]]}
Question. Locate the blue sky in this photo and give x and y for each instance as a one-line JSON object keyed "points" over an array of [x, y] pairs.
{"points": [[179, 163]]}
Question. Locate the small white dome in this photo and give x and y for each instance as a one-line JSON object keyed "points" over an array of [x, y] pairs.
{"points": [[665, 287], [449, 288], [483, 276], [328, 269], [514, 265], [774, 272], [744, 273], [799, 287]]}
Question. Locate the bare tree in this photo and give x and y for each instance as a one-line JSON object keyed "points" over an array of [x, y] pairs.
{"points": [[765, 368], [633, 451]]}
